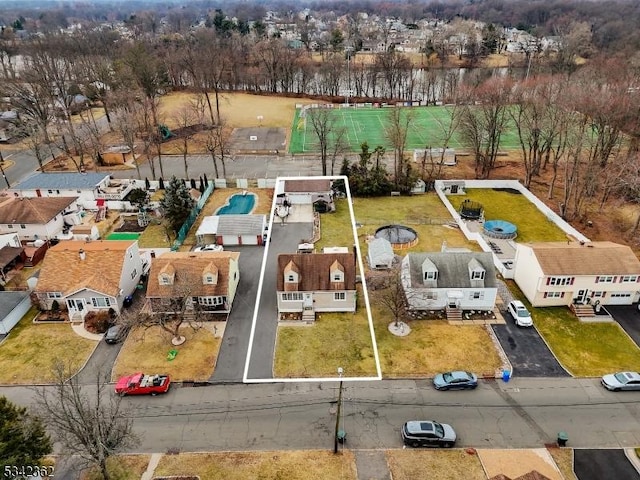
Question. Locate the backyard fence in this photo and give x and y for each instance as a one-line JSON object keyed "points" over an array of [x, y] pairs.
{"points": [[188, 223]]}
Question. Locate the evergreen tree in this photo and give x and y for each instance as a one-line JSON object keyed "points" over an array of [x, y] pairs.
{"points": [[23, 439], [176, 203]]}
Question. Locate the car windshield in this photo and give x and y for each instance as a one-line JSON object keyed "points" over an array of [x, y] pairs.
{"points": [[523, 312], [447, 377], [621, 377], [439, 430]]}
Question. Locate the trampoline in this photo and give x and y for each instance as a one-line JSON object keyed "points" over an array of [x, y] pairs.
{"points": [[500, 229], [238, 203], [398, 235], [470, 210]]}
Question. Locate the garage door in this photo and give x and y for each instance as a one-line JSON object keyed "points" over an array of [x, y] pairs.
{"points": [[230, 240], [249, 239], [619, 298]]}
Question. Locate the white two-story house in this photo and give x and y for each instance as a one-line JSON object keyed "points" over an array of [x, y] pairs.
{"points": [[455, 281], [561, 273]]}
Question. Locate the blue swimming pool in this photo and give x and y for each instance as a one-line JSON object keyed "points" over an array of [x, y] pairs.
{"points": [[238, 203]]}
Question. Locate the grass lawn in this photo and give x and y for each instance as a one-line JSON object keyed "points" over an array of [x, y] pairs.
{"points": [[289, 465], [154, 236], [442, 465], [146, 351], [121, 467], [334, 340], [586, 349], [533, 225], [29, 352], [433, 346]]}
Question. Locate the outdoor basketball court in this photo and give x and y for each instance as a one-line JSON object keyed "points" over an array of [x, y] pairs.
{"points": [[259, 140], [368, 124]]}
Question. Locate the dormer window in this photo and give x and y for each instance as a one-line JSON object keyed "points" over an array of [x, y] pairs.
{"points": [[165, 280], [291, 278], [477, 275], [336, 272], [430, 275], [209, 279]]}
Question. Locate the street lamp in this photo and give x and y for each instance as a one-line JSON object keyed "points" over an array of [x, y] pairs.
{"points": [[339, 435], [4, 175]]}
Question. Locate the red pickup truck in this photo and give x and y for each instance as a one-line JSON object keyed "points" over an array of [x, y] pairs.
{"points": [[141, 384]]}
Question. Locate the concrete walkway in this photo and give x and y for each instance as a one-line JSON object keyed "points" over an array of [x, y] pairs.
{"points": [[82, 332], [151, 468], [372, 465]]}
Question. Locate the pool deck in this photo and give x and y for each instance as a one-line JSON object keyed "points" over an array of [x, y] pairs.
{"points": [[503, 249]]}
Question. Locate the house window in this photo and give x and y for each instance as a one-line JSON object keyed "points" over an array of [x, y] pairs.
{"points": [[339, 296], [50, 191], [235, 275], [430, 275], [597, 294], [9, 226], [621, 295], [605, 279], [476, 295], [100, 302], [210, 301], [553, 294], [54, 295], [208, 279], [78, 191], [559, 281], [23, 226], [628, 279], [292, 296], [291, 278], [477, 275], [164, 280], [431, 295], [337, 277], [133, 274]]}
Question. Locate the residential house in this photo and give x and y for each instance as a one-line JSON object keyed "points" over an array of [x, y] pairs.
{"points": [[232, 230], [88, 276], [306, 191], [310, 283], [94, 190], [380, 255], [566, 273], [39, 218], [207, 281], [451, 281], [11, 253]]}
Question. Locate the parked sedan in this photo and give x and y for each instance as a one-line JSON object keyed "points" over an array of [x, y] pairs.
{"points": [[520, 314], [455, 380], [427, 433], [209, 248], [621, 381]]}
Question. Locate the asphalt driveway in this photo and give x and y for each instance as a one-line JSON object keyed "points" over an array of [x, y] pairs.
{"points": [[527, 352], [628, 317], [601, 464]]}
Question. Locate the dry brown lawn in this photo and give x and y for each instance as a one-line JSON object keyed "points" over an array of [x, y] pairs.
{"points": [[30, 351], [276, 465], [517, 462], [457, 464], [145, 350], [122, 467], [564, 460]]}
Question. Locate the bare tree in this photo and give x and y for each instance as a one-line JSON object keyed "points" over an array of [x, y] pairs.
{"points": [[185, 119], [89, 422], [327, 131], [125, 124], [393, 298], [398, 123], [218, 142]]}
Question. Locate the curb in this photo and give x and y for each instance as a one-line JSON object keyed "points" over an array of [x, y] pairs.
{"points": [[631, 455]]}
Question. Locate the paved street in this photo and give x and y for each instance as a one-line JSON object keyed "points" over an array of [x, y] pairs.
{"points": [[600, 464]]}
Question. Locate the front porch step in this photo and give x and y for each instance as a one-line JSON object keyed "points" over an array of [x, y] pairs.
{"points": [[454, 313], [582, 310]]}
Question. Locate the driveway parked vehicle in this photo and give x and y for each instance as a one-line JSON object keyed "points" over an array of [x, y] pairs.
{"points": [[460, 380], [209, 248], [428, 433], [621, 381], [141, 384], [520, 314], [115, 334]]}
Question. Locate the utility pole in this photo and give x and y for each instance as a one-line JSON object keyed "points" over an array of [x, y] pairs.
{"points": [[4, 175], [339, 435]]}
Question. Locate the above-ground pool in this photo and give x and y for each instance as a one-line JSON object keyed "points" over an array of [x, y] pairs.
{"points": [[398, 235], [238, 203], [500, 229]]}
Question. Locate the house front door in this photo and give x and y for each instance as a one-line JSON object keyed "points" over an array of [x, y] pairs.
{"points": [[582, 296], [308, 302], [76, 304]]}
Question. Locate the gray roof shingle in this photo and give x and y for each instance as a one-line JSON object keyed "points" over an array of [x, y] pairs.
{"points": [[60, 181]]}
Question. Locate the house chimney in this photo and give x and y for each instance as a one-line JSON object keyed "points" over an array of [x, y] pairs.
{"points": [[82, 254]]}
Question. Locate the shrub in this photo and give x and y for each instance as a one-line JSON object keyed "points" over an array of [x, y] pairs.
{"points": [[96, 322]]}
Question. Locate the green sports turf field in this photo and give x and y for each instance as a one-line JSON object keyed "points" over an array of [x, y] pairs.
{"points": [[367, 124]]}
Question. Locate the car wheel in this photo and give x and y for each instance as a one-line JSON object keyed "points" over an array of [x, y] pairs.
{"points": [[616, 390], [415, 444], [444, 389], [153, 394], [447, 444], [122, 394]]}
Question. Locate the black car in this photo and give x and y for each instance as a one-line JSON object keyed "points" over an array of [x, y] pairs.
{"points": [[115, 334], [427, 433]]}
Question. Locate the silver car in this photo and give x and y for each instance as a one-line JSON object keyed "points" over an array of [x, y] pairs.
{"points": [[621, 381]]}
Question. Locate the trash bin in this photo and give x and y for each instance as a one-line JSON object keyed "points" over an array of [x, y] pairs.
{"points": [[562, 439], [342, 436], [506, 375]]}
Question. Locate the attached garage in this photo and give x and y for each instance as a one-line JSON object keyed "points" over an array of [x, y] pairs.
{"points": [[232, 230]]}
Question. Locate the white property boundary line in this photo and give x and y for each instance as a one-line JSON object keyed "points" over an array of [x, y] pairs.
{"points": [[374, 344]]}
